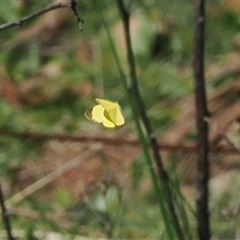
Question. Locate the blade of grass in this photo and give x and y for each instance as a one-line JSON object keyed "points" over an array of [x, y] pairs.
{"points": [[179, 199], [161, 193], [5, 216], [136, 96], [143, 140]]}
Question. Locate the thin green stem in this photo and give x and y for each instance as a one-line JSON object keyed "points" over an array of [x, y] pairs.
{"points": [[162, 174], [5, 216], [142, 138]]}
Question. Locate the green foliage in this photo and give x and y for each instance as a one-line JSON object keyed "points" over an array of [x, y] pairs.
{"points": [[138, 167], [22, 61], [74, 67], [220, 32], [62, 197], [226, 198], [6, 113], [8, 11]]}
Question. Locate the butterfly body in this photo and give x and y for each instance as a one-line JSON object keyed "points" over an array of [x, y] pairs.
{"points": [[106, 112]]}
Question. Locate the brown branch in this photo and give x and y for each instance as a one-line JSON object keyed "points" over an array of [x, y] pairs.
{"points": [[187, 147], [5, 216], [39, 12], [222, 134], [202, 125], [73, 7]]}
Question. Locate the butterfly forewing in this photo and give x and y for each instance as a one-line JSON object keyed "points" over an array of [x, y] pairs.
{"points": [[113, 109], [116, 116]]}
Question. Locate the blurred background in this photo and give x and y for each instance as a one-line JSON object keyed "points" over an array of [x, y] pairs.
{"points": [[63, 174]]}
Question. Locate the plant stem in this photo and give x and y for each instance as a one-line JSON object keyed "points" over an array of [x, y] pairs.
{"points": [[163, 176], [202, 125], [5, 216], [39, 12]]}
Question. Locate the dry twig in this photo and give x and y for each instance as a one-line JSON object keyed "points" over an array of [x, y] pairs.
{"points": [[19, 23], [73, 163], [115, 141]]}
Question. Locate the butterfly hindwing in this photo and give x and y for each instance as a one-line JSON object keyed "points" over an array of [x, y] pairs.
{"points": [[98, 113]]}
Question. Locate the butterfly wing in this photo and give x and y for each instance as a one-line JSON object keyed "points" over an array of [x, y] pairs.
{"points": [[116, 115], [98, 114], [114, 111]]}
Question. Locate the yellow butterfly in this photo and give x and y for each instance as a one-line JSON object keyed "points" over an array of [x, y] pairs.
{"points": [[106, 112]]}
